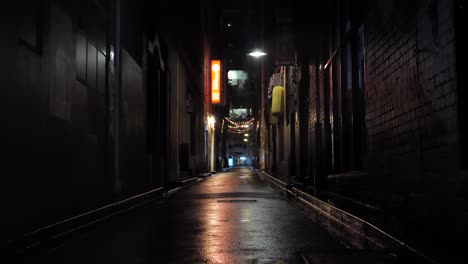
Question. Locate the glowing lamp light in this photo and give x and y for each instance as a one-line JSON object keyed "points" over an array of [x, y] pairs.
{"points": [[211, 121], [216, 67], [257, 53], [245, 140], [246, 135]]}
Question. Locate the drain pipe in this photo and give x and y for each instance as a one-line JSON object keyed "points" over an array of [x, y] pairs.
{"points": [[117, 97]]}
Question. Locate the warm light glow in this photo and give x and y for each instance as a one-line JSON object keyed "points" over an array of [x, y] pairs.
{"points": [[246, 140], [239, 127], [215, 81], [257, 53], [215, 67], [277, 101], [211, 121], [246, 135]]}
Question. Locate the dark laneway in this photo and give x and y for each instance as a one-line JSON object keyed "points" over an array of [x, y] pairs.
{"points": [[231, 217], [354, 109]]}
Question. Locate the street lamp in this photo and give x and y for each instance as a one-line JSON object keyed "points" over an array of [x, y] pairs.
{"points": [[257, 53], [211, 121]]}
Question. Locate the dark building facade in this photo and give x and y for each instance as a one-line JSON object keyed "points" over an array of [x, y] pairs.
{"points": [[373, 113], [107, 100]]}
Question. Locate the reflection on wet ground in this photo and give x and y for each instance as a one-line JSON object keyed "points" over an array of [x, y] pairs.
{"points": [[230, 217]]}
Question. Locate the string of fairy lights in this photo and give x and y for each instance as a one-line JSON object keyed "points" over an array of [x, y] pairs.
{"points": [[239, 127]]}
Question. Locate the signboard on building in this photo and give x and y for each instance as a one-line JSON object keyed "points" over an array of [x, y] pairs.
{"points": [[218, 80], [215, 82]]}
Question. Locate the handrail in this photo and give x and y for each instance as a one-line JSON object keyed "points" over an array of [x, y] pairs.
{"points": [[294, 192], [88, 213]]}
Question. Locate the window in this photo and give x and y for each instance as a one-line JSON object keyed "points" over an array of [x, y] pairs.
{"points": [[91, 42]]}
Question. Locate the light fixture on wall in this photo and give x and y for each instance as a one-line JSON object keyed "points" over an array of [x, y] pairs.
{"points": [[211, 121], [257, 53]]}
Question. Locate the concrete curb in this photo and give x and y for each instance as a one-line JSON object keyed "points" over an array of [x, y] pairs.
{"points": [[188, 181], [182, 185], [351, 229], [204, 175]]}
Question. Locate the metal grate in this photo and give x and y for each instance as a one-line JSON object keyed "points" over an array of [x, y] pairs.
{"points": [[237, 201]]}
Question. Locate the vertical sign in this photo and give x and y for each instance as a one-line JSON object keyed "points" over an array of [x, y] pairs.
{"points": [[215, 82]]}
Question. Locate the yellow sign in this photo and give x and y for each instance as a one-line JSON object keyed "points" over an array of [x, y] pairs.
{"points": [[215, 81], [277, 102]]}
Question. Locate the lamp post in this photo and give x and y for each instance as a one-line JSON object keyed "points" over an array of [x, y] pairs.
{"points": [[211, 135], [257, 53]]}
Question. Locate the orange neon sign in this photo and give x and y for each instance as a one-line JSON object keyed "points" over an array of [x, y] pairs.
{"points": [[215, 81]]}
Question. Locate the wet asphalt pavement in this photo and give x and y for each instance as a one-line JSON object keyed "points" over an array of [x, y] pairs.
{"points": [[230, 217]]}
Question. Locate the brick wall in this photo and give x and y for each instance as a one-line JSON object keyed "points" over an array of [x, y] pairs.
{"points": [[411, 110], [411, 96]]}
